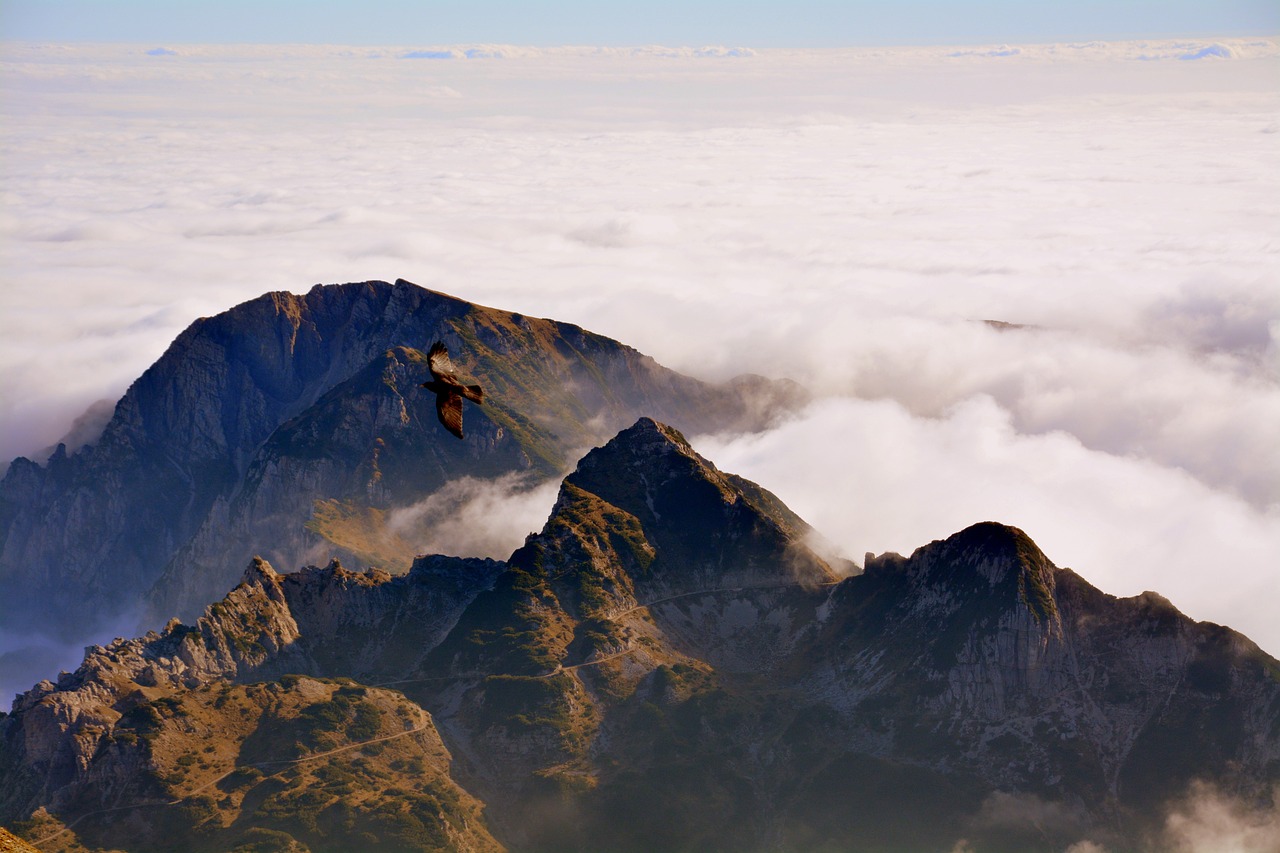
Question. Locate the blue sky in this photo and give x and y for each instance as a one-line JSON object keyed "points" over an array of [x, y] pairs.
{"points": [[752, 23]]}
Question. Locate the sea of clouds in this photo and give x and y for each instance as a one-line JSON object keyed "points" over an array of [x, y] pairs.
{"points": [[847, 218]]}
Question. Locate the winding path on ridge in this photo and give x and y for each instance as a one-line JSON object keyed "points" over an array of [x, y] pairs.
{"points": [[417, 729], [209, 784]]}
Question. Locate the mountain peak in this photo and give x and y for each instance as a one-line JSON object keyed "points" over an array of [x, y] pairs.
{"points": [[645, 465], [648, 426], [668, 623], [992, 548], [987, 561], [255, 417], [259, 570], [644, 438], [704, 526]]}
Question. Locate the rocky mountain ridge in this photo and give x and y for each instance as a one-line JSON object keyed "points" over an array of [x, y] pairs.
{"points": [[666, 665], [225, 446]]}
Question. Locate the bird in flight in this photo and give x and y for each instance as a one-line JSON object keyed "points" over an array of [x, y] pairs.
{"points": [[448, 390]]}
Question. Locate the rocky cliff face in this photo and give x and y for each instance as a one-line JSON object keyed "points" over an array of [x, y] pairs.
{"points": [[1030, 680], [667, 665], [224, 447], [293, 764], [132, 723]]}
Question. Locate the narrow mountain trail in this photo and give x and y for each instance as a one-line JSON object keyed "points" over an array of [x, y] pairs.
{"points": [[457, 676], [560, 668], [283, 762]]}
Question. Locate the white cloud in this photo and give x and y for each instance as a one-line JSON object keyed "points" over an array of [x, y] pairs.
{"points": [[846, 218], [870, 476], [1211, 821], [1086, 847], [1024, 811], [470, 517], [1213, 51]]}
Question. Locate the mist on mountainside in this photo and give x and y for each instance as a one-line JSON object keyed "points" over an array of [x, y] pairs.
{"points": [[849, 219], [665, 661]]}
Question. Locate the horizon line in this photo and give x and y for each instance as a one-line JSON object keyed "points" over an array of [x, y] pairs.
{"points": [[1030, 42]]}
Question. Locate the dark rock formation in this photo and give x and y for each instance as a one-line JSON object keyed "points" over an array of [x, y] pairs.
{"points": [[666, 665]]}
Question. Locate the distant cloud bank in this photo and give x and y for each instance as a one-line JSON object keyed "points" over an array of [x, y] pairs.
{"points": [[1087, 51], [513, 52]]}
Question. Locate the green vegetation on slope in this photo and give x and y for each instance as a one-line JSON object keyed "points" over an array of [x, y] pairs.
{"points": [[295, 764], [361, 531]]}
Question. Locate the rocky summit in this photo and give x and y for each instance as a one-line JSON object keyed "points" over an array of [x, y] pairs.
{"points": [[291, 424], [666, 665]]}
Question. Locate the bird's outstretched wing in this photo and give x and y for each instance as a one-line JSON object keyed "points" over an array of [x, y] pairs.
{"points": [[448, 390], [449, 409], [440, 364]]}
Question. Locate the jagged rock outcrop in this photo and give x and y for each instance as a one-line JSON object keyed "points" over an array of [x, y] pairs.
{"points": [[650, 559], [667, 665], [293, 764], [979, 641], [222, 449], [105, 725], [669, 623]]}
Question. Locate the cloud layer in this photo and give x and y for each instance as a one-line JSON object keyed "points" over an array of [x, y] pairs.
{"points": [[476, 518], [873, 477], [850, 219]]}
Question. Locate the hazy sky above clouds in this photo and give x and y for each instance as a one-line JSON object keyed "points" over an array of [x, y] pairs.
{"points": [[754, 23], [848, 218]]}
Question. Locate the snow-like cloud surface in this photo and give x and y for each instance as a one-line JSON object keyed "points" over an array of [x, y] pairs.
{"points": [[846, 218]]}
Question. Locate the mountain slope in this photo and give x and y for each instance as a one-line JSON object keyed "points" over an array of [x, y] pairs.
{"points": [[180, 733], [668, 666], [222, 449]]}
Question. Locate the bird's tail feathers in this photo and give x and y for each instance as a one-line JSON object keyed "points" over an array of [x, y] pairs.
{"points": [[473, 393]]}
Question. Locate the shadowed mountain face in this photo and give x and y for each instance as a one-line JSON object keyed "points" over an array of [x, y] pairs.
{"points": [[294, 422], [665, 666]]}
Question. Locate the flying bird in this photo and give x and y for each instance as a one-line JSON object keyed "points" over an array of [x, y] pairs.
{"points": [[448, 390]]}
